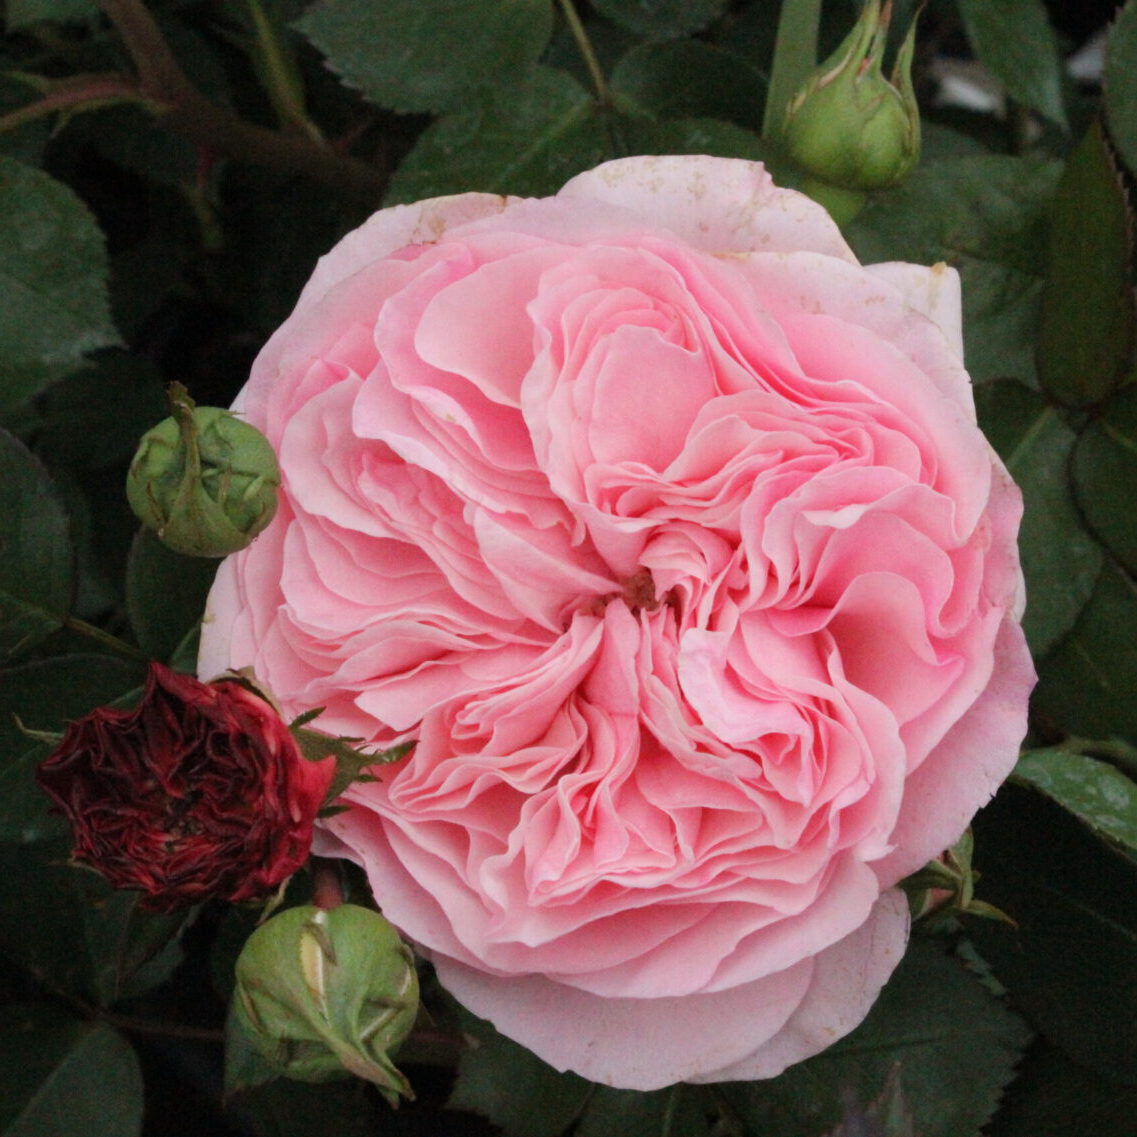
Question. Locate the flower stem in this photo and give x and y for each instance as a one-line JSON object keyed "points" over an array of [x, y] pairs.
{"points": [[74, 624], [182, 108], [589, 55], [327, 892], [795, 56]]}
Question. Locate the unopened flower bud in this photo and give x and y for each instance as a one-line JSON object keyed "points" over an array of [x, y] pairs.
{"points": [[203, 480], [849, 126], [322, 993]]}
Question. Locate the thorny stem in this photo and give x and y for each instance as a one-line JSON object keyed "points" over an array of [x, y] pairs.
{"points": [[586, 51], [78, 91], [187, 111]]}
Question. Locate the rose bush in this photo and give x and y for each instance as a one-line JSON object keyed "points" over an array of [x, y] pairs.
{"points": [[666, 528], [198, 792]]}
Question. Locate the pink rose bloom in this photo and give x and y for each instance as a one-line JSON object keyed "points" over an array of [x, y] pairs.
{"points": [[666, 528]]}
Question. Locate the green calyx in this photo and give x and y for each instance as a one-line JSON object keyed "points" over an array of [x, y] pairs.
{"points": [[849, 126], [205, 481], [323, 993]]}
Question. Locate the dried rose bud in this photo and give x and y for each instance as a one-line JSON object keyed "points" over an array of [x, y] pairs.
{"points": [[198, 792], [323, 993]]}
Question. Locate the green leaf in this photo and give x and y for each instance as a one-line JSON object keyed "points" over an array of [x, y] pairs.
{"points": [[1014, 41], [1098, 793], [53, 269], [1060, 560], [1119, 90], [1086, 684], [512, 1087], [694, 136], [689, 78], [64, 1078], [428, 55], [987, 207], [983, 215], [44, 695], [956, 1043], [529, 140], [1071, 965], [1054, 1097], [37, 563], [165, 593], [95, 417], [1086, 330], [661, 19], [19, 13], [65, 925], [887, 1116], [678, 1111], [1104, 476], [284, 1108]]}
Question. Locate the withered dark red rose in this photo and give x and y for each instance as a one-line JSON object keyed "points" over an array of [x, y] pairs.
{"points": [[200, 791]]}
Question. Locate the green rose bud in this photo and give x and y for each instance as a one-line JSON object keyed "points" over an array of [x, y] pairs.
{"points": [[203, 480], [326, 992], [849, 126]]}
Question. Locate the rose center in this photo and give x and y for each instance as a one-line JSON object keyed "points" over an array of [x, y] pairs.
{"points": [[637, 592]]}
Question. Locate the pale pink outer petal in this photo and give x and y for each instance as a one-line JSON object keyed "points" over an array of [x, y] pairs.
{"points": [[933, 290], [963, 772], [847, 979], [720, 205], [754, 1030], [422, 223]]}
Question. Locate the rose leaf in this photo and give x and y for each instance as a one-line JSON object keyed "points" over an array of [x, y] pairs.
{"points": [[690, 78], [678, 1111], [63, 1078], [82, 937], [53, 266], [1015, 41], [1104, 476], [37, 561], [165, 593], [1086, 684], [527, 140], [21, 13], [1071, 963], [1098, 793], [984, 216], [1119, 90], [1060, 560], [661, 19], [427, 55], [1087, 320], [1054, 1097], [513, 1088], [956, 1044]]}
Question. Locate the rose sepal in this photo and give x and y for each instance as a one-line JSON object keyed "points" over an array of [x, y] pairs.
{"points": [[945, 888], [352, 761]]}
